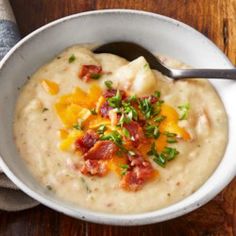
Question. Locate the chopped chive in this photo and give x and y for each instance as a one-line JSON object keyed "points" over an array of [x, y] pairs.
{"points": [[146, 107], [115, 137], [95, 76], [171, 140], [184, 111], [157, 94], [101, 129], [170, 153], [130, 111], [124, 120], [132, 98], [77, 126], [93, 111], [162, 158], [169, 134], [108, 84], [115, 101], [159, 118], [126, 132], [71, 58], [152, 131], [124, 169]]}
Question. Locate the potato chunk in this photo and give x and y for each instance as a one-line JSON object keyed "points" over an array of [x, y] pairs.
{"points": [[136, 77]]}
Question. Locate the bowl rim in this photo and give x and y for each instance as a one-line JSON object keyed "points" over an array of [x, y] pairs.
{"points": [[177, 209]]}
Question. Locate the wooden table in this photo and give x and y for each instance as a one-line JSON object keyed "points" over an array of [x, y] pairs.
{"points": [[214, 18]]}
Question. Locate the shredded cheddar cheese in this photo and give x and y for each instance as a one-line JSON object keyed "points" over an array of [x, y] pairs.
{"points": [[170, 123], [50, 87]]}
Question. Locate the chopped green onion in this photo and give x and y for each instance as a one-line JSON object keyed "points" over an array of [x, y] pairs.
{"points": [[184, 111], [126, 132], [95, 76], [123, 120], [71, 58], [171, 140], [168, 134], [159, 118], [152, 151], [132, 98], [161, 159], [124, 169], [78, 126], [160, 102], [158, 158], [151, 131], [93, 111], [146, 107], [101, 129], [130, 111], [108, 84], [115, 101], [157, 94], [115, 137], [171, 137], [170, 153]]}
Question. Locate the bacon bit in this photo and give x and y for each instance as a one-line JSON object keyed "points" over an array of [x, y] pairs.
{"points": [[136, 132], [87, 141], [104, 109], [102, 150], [152, 99], [112, 92], [140, 171], [87, 72], [94, 167], [142, 123]]}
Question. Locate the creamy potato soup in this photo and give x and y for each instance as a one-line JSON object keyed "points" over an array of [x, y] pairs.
{"points": [[115, 136]]}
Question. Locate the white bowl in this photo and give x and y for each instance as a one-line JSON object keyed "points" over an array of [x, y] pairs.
{"points": [[158, 33]]}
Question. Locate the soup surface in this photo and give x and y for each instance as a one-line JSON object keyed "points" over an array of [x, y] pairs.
{"points": [[115, 136]]}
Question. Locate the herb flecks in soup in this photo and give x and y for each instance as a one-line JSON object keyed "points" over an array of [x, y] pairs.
{"points": [[116, 136]]}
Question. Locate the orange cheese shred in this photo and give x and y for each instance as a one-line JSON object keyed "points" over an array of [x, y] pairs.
{"points": [[50, 87]]}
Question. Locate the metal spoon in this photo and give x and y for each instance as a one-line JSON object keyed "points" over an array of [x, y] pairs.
{"points": [[131, 51]]}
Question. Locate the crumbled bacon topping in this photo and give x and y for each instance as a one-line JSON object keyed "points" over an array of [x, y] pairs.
{"points": [[94, 167], [87, 141], [104, 109], [95, 158], [102, 150], [153, 99], [140, 171], [112, 92], [136, 132], [88, 72]]}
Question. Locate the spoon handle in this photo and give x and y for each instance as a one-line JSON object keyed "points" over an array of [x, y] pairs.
{"points": [[204, 73]]}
